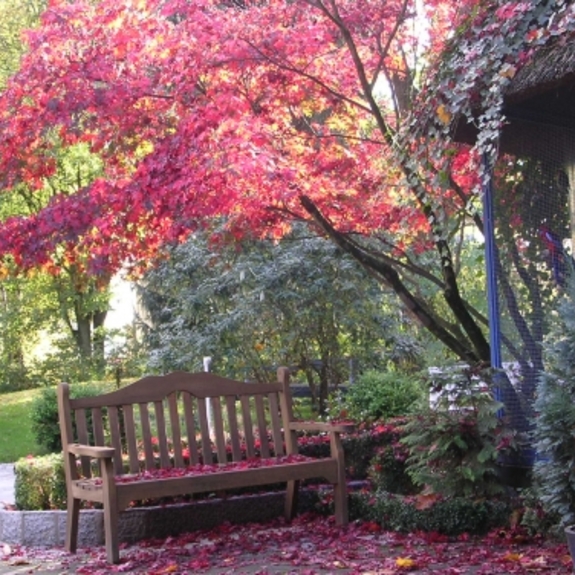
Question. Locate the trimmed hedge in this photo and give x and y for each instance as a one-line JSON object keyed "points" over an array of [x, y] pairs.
{"points": [[40, 483], [449, 517]]}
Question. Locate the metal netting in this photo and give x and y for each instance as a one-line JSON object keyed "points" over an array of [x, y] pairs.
{"points": [[533, 232]]}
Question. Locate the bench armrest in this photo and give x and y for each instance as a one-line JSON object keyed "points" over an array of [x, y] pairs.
{"points": [[90, 450], [319, 426]]}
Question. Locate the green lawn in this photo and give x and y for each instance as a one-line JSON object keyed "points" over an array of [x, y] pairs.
{"points": [[16, 438]]}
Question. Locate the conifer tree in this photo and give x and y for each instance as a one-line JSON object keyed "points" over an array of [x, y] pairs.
{"points": [[554, 471]]}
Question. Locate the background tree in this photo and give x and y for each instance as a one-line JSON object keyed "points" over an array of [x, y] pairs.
{"points": [[61, 294], [15, 16], [263, 304]]}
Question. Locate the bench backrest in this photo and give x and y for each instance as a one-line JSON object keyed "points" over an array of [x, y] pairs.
{"points": [[181, 419]]}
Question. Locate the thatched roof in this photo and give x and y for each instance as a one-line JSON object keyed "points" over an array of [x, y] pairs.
{"points": [[539, 103], [552, 68]]}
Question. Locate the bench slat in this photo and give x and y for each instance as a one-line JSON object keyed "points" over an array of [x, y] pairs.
{"points": [[146, 435], [161, 434], [219, 429], [248, 426], [276, 424], [82, 431], [205, 431], [116, 439], [234, 429], [326, 468], [132, 444], [290, 437], [175, 427], [98, 425], [191, 428], [262, 426]]}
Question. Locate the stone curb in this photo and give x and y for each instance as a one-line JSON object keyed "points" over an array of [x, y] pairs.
{"points": [[48, 528]]}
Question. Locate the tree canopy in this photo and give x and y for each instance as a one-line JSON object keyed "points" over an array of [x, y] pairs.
{"points": [[259, 113], [263, 304]]}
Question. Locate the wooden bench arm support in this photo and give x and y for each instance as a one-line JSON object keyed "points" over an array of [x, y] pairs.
{"points": [[318, 426], [90, 451]]}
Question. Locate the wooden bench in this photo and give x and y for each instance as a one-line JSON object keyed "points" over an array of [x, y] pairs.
{"points": [[150, 440]]}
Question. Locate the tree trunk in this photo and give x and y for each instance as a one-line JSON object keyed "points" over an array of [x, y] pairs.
{"points": [[470, 352]]}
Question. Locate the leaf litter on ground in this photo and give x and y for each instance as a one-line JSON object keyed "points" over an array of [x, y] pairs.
{"points": [[309, 545]]}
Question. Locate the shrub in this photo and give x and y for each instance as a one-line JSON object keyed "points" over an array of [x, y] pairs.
{"points": [[454, 447], [448, 517], [555, 408], [380, 395], [387, 470], [535, 518], [361, 447], [40, 483], [44, 414]]}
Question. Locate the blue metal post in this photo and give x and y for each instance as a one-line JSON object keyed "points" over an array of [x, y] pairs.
{"points": [[490, 259]]}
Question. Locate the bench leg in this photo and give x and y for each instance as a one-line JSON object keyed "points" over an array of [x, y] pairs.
{"points": [[340, 488], [292, 492], [110, 512], [72, 520], [340, 500], [111, 534]]}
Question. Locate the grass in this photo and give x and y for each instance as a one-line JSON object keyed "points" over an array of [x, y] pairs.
{"points": [[16, 438]]}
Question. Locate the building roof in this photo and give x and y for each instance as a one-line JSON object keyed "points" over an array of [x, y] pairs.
{"points": [[544, 89], [539, 102]]}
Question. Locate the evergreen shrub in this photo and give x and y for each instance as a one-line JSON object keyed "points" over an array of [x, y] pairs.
{"points": [[449, 516], [554, 470], [40, 483], [387, 470], [381, 395], [44, 414]]}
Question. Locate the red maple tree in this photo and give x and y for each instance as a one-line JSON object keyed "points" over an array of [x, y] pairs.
{"points": [[253, 112]]}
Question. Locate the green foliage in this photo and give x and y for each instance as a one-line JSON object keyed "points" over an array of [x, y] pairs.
{"points": [[454, 446], [380, 395], [535, 518], [63, 362], [26, 308], [387, 470], [299, 302], [40, 483], [449, 517], [15, 15], [554, 434], [44, 413], [127, 356]]}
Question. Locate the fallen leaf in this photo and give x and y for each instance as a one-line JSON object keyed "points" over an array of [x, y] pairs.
{"points": [[512, 557], [405, 563], [425, 501]]}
